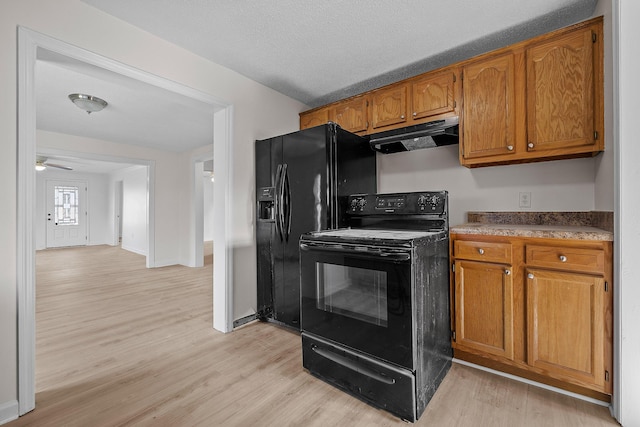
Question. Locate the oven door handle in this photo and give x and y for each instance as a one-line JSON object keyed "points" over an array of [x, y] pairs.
{"points": [[358, 251]]}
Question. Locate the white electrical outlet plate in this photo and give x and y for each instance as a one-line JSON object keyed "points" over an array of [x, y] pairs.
{"points": [[525, 199]]}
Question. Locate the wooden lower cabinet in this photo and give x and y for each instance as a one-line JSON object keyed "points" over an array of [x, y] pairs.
{"points": [[565, 325], [541, 309], [484, 307]]}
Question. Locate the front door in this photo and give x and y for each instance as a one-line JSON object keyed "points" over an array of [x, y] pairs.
{"points": [[66, 213]]}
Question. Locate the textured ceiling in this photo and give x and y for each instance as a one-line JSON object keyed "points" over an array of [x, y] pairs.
{"points": [[320, 51]]}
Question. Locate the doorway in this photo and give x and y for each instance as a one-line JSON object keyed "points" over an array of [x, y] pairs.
{"points": [[29, 43], [67, 214]]}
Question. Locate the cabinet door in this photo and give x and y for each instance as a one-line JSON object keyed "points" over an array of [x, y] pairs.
{"points": [[389, 107], [433, 95], [489, 107], [314, 118], [560, 92], [484, 308], [352, 115], [565, 325]]}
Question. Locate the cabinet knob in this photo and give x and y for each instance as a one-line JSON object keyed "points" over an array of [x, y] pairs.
{"points": [[415, 114], [510, 147], [481, 251], [530, 145], [529, 276], [507, 272], [402, 116], [563, 258]]}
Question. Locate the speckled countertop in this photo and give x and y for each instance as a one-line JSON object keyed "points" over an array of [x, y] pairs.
{"points": [[553, 225]]}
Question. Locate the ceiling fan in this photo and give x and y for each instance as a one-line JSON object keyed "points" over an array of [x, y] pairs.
{"points": [[42, 163]]}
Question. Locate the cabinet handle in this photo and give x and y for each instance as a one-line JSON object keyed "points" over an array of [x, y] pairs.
{"points": [[563, 258], [530, 145], [402, 116], [481, 251], [415, 114], [507, 272], [529, 276], [510, 147]]}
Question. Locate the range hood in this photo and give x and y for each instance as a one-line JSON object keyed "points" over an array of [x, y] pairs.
{"points": [[416, 137]]}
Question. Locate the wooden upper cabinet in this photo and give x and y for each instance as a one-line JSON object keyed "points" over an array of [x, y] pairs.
{"points": [[539, 99], [489, 93], [550, 108], [314, 118], [560, 92], [433, 95], [352, 114], [389, 107]]}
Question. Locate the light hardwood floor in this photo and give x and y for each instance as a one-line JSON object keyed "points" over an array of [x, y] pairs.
{"points": [[122, 345]]}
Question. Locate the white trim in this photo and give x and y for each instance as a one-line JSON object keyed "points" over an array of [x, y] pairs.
{"points": [[151, 215], [223, 221], [195, 251], [29, 42], [533, 383], [25, 262], [8, 411], [117, 211], [615, 59]]}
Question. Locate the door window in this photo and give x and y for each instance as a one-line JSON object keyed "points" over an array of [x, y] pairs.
{"points": [[66, 205], [355, 292]]}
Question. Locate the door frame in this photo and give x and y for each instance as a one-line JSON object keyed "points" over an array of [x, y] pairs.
{"points": [[29, 42]]}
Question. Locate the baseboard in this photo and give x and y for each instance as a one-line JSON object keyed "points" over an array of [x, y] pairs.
{"points": [[533, 383], [8, 411], [134, 250]]}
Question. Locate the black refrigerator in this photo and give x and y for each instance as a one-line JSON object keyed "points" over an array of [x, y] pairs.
{"points": [[303, 180]]}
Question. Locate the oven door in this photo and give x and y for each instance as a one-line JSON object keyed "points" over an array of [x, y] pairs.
{"points": [[360, 297]]}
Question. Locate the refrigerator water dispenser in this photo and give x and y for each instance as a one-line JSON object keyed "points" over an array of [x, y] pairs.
{"points": [[266, 204]]}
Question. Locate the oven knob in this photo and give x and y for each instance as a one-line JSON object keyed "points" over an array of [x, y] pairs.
{"points": [[434, 201], [362, 203]]}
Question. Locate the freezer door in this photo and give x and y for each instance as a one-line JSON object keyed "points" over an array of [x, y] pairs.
{"points": [[265, 207], [302, 190]]}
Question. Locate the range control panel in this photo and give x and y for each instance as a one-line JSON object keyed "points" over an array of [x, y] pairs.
{"points": [[425, 202]]}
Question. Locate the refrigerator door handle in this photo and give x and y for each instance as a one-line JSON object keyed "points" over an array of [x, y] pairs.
{"points": [[286, 216], [278, 202]]}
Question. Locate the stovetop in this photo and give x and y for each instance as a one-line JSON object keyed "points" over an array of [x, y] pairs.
{"points": [[391, 219], [363, 233], [374, 237]]}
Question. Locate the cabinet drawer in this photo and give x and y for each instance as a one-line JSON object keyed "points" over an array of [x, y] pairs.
{"points": [[577, 259], [483, 251]]}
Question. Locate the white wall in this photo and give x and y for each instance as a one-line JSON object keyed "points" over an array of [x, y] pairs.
{"points": [[605, 162], [554, 186], [97, 206], [134, 208], [207, 187], [259, 113]]}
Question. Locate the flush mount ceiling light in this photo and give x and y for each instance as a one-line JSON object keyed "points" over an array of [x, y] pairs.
{"points": [[40, 166], [88, 103]]}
